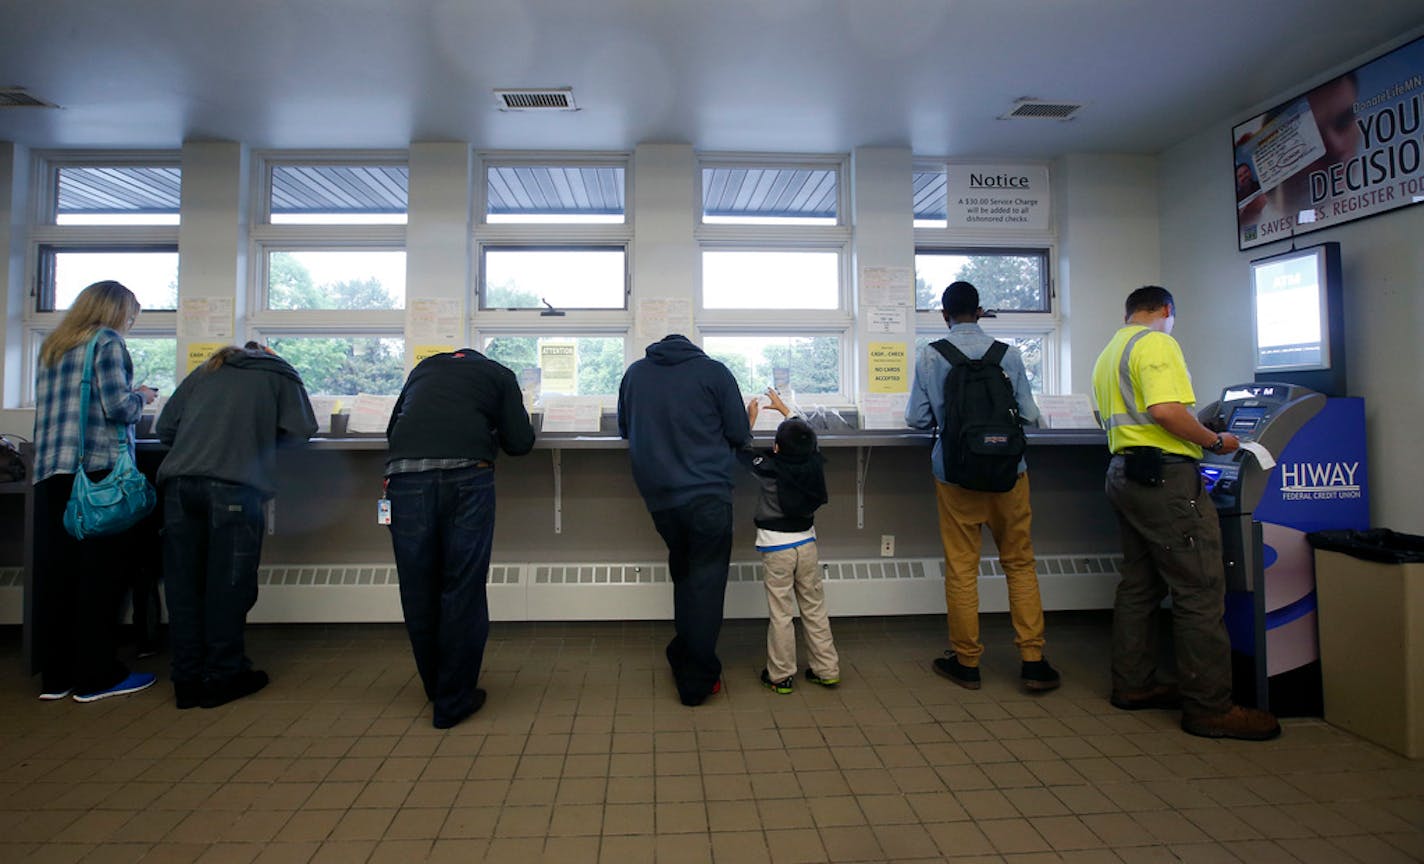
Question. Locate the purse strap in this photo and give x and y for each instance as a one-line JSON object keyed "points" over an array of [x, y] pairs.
{"points": [[84, 387]]}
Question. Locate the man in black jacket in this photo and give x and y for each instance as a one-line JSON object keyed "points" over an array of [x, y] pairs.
{"points": [[455, 411], [682, 414]]}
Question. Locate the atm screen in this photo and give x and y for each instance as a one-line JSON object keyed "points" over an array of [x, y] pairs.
{"points": [[1246, 419]]}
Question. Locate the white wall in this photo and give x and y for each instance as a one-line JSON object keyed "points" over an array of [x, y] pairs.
{"points": [[1383, 264], [1106, 213]]}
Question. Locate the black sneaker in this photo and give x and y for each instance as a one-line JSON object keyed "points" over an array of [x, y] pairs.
{"points": [[784, 686], [949, 667], [824, 682], [188, 694], [1038, 676], [476, 703], [244, 683]]}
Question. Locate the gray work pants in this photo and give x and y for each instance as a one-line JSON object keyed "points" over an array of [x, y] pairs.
{"points": [[1171, 541]]}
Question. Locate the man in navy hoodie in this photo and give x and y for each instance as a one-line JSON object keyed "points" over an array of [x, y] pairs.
{"points": [[682, 414]]}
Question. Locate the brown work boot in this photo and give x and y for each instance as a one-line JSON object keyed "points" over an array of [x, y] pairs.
{"points": [[1161, 696], [1247, 724]]}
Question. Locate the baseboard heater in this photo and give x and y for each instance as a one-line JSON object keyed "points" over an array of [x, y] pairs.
{"points": [[331, 593]]}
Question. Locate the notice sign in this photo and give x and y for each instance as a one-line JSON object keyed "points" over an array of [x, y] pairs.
{"points": [[558, 362], [888, 364], [997, 197]]}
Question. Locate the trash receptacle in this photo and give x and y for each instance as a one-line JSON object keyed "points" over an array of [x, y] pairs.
{"points": [[1370, 592]]}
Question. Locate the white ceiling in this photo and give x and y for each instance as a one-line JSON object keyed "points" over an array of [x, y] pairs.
{"points": [[758, 75]]}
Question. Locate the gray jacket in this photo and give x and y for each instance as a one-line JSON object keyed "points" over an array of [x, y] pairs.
{"points": [[227, 424]]}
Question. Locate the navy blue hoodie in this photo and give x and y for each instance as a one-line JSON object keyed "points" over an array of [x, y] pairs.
{"points": [[682, 414]]}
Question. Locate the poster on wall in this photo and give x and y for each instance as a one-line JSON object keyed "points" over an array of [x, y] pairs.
{"points": [[1350, 148], [994, 198]]}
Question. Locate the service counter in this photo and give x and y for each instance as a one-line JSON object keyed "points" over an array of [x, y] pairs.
{"points": [[573, 539]]}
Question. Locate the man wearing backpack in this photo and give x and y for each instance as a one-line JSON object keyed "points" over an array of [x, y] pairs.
{"points": [[975, 392]]}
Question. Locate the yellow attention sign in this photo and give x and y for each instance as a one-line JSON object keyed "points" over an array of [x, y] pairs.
{"points": [[422, 352], [559, 364], [199, 352], [889, 367]]}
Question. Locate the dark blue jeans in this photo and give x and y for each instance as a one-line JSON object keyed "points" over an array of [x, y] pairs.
{"points": [[442, 528], [698, 535], [212, 541]]}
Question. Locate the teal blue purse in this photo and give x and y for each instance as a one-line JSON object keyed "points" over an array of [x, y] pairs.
{"points": [[116, 503]]}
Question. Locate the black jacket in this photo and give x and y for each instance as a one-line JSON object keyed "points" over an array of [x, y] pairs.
{"points": [[460, 405], [791, 489], [226, 424]]}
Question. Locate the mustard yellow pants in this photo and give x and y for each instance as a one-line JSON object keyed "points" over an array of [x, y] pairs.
{"points": [[963, 515]]}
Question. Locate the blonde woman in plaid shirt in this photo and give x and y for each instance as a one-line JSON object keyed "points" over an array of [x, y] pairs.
{"points": [[78, 583]]}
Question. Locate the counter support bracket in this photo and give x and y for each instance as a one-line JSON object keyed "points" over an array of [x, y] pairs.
{"points": [[862, 467], [558, 490]]}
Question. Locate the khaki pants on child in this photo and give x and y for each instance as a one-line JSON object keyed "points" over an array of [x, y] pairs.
{"points": [[797, 571]]}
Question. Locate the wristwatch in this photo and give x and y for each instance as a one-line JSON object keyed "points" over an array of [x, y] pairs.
{"points": [[1216, 445]]}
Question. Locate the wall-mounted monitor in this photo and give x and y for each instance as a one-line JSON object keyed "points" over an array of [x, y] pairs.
{"points": [[1296, 318]]}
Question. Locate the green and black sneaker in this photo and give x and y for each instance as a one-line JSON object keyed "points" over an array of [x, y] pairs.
{"points": [[784, 686], [824, 682]]}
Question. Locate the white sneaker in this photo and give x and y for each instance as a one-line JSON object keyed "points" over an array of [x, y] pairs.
{"points": [[55, 695]]}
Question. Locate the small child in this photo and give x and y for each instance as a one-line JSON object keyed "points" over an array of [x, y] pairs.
{"points": [[793, 485]]}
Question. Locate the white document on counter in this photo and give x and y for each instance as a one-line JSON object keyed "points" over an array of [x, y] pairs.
{"points": [[1263, 456], [1066, 411], [883, 410], [571, 414], [370, 413]]}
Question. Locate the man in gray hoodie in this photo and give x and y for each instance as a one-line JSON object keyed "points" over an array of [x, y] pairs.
{"points": [[223, 426]]}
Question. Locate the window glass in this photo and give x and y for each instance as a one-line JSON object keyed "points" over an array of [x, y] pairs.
{"points": [[1009, 280], [596, 362], [1030, 348], [152, 274], [738, 279], [338, 194], [117, 195], [155, 362], [565, 278], [777, 196], [346, 279], [345, 365], [930, 201], [808, 365], [554, 193]]}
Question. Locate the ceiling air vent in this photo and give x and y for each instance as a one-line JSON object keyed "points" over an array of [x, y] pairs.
{"points": [[1038, 109], [549, 99], [16, 97]]}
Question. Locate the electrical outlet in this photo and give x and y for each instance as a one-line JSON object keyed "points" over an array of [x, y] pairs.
{"points": [[887, 545]]}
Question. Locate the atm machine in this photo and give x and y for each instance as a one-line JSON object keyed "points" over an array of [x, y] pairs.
{"points": [[1268, 414]]}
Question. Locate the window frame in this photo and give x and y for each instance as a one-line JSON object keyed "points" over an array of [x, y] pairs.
{"points": [[549, 235], [46, 236], [607, 401], [266, 238], [762, 237], [1046, 324], [483, 249]]}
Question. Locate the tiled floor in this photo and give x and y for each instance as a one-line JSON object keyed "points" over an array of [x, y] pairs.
{"points": [[583, 754]]}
